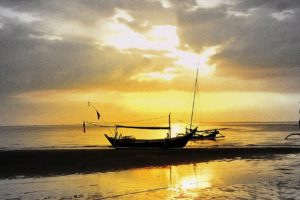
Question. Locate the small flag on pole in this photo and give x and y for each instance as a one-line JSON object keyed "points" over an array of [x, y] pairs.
{"points": [[98, 114]]}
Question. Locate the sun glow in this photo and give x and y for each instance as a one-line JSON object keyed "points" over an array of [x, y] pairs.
{"points": [[119, 35], [164, 37], [193, 60], [162, 40], [122, 14], [165, 75]]}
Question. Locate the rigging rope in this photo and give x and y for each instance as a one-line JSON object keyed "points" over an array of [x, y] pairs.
{"points": [[188, 124], [143, 120], [108, 124]]}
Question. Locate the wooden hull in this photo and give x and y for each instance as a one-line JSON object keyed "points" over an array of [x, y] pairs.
{"points": [[176, 142]]}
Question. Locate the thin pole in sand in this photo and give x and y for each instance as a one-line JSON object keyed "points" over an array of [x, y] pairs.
{"points": [[299, 118]]}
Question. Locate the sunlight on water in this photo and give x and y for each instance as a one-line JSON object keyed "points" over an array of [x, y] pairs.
{"points": [[194, 182], [185, 180], [177, 128], [271, 177]]}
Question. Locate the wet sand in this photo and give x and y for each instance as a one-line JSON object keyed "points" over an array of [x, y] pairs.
{"points": [[70, 161], [273, 176]]}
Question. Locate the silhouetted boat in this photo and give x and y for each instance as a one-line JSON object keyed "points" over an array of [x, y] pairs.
{"points": [[209, 134], [131, 142], [119, 141]]}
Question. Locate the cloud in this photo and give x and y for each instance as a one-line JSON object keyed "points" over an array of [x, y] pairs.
{"points": [[259, 39], [39, 62], [20, 16], [46, 37], [283, 15], [253, 34], [53, 51], [52, 45], [212, 3], [165, 75]]}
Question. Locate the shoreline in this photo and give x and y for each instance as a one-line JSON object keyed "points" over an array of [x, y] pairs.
{"points": [[69, 161]]}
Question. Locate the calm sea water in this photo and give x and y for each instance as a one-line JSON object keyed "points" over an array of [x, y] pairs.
{"points": [[72, 136]]}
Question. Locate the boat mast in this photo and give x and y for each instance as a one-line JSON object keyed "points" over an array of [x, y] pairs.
{"points": [[169, 125], [195, 89]]}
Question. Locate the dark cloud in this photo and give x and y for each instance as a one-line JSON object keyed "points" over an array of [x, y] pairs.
{"points": [[266, 42], [32, 64], [278, 5], [29, 64], [89, 12], [256, 45], [200, 16]]}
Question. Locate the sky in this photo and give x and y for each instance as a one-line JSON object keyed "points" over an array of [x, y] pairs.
{"points": [[137, 59]]}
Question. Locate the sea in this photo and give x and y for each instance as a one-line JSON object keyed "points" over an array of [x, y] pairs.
{"points": [[245, 134], [265, 177]]}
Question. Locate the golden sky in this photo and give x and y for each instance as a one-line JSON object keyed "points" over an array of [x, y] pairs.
{"points": [[137, 59]]}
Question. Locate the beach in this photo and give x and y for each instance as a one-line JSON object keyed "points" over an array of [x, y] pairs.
{"points": [[257, 174], [69, 161]]}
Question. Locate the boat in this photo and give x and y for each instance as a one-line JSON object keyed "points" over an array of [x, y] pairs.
{"points": [[130, 142], [119, 141], [208, 134], [211, 134]]}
